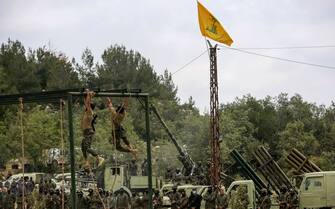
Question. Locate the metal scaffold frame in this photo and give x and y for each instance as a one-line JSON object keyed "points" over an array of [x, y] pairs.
{"points": [[68, 95]]}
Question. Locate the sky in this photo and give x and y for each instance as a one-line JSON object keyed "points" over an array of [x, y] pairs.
{"points": [[167, 33]]}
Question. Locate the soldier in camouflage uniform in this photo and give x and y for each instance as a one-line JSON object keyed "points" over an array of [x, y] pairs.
{"points": [[282, 197], [29, 201], [49, 203], [210, 198], [292, 199], [38, 197], [94, 200], [157, 200], [57, 199], [122, 200], [221, 200], [183, 199], [136, 200], [118, 132], [19, 201], [2, 197], [8, 200], [194, 201], [264, 201], [81, 203], [174, 197], [87, 126], [145, 199]]}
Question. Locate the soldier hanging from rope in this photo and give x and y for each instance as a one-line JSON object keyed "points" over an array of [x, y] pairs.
{"points": [[87, 125], [118, 132]]}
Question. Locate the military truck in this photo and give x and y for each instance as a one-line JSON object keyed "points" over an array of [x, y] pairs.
{"points": [[114, 177], [317, 190], [251, 192]]}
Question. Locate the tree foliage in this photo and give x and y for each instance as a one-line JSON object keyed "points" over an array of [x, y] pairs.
{"points": [[280, 123]]}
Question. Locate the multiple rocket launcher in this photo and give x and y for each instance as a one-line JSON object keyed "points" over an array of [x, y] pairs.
{"points": [[269, 169]]}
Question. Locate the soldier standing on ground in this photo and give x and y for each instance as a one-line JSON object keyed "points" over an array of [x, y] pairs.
{"points": [[133, 168], [292, 199], [157, 200], [19, 201], [183, 199], [209, 198], [221, 200], [8, 199], [194, 201], [144, 167], [264, 201], [81, 204], [122, 200], [93, 199], [174, 197], [282, 197]]}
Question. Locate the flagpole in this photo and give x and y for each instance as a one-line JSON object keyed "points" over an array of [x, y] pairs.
{"points": [[206, 42], [214, 118], [211, 28]]}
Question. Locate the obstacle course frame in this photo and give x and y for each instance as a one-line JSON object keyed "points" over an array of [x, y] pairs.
{"points": [[68, 95]]}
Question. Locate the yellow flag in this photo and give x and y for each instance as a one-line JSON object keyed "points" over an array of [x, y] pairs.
{"points": [[211, 27]]}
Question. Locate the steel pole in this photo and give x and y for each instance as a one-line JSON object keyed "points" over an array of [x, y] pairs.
{"points": [[147, 126], [214, 118], [72, 153]]}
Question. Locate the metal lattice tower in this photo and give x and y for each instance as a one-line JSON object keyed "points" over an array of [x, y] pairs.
{"points": [[214, 119]]}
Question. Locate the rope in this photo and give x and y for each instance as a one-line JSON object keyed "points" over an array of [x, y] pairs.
{"points": [[22, 149], [61, 107]]}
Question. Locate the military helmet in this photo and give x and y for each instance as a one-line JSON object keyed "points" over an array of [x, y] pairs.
{"points": [[174, 187]]}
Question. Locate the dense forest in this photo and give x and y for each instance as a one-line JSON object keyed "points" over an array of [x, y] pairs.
{"points": [[280, 122]]}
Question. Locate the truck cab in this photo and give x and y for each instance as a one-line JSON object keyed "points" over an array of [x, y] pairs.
{"points": [[115, 177], [317, 190], [250, 188]]}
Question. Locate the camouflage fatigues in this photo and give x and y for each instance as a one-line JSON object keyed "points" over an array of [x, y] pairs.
{"points": [[94, 201], [292, 201], [157, 202], [183, 202], [81, 202], [122, 201], [221, 201], [30, 201], [87, 142], [210, 200], [9, 201], [174, 198], [282, 201], [264, 202]]}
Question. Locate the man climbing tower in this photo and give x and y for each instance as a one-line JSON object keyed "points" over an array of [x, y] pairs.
{"points": [[118, 132], [87, 125]]}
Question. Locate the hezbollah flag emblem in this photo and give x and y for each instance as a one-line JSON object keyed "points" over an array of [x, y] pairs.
{"points": [[211, 27]]}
